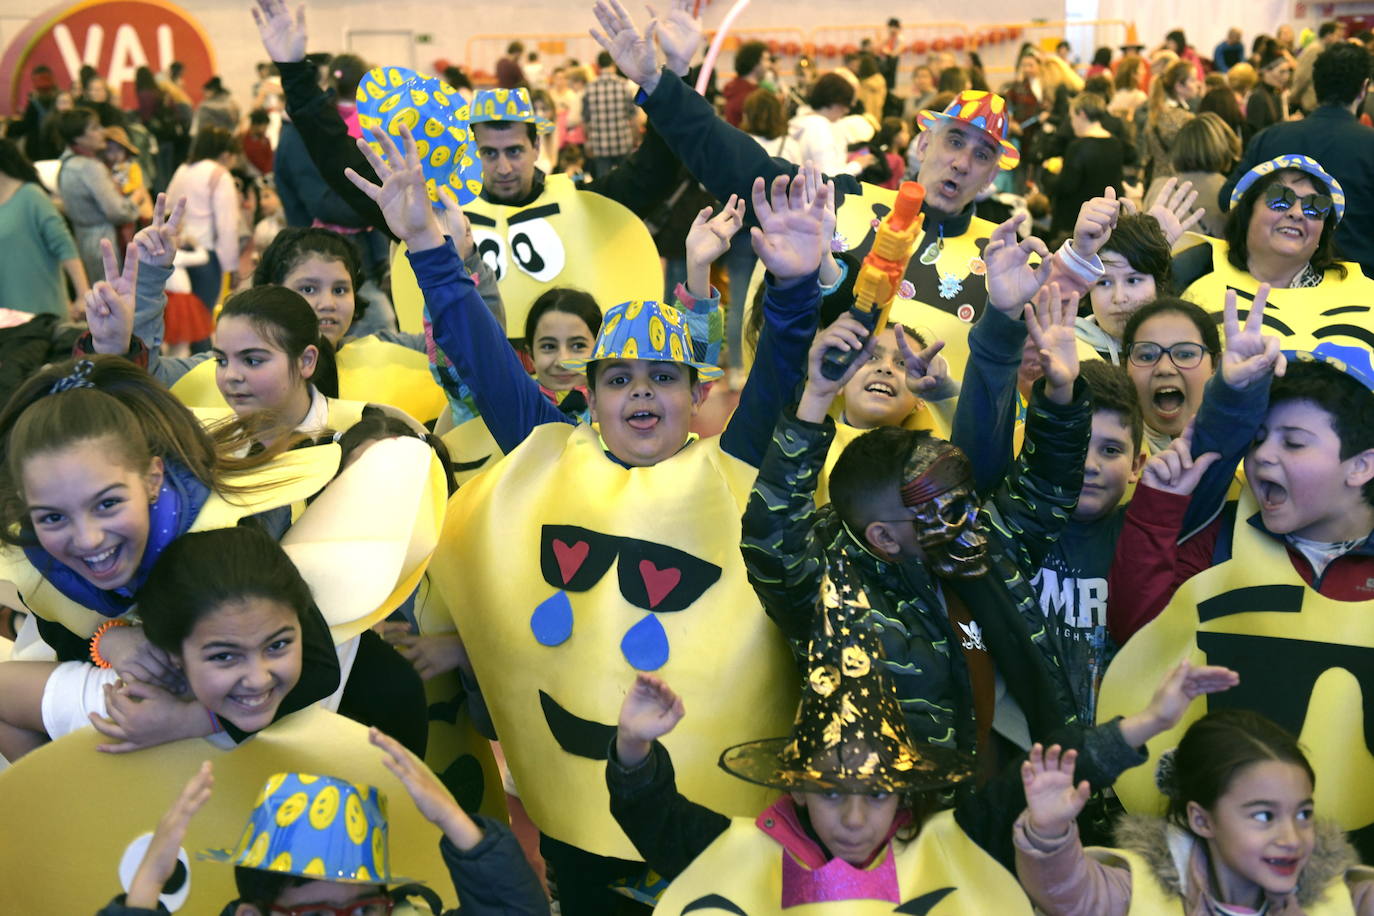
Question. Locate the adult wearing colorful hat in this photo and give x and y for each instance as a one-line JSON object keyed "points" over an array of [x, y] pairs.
{"points": [[1331, 135], [852, 832], [1281, 232], [534, 229], [961, 150]]}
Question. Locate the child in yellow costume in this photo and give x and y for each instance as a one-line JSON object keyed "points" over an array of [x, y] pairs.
{"points": [[854, 832], [530, 544], [338, 858]]}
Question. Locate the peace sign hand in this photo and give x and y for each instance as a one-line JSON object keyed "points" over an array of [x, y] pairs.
{"points": [[156, 243], [110, 303], [927, 371], [1251, 356]]}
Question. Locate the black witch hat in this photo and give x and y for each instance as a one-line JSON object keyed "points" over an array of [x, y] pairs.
{"points": [[850, 735]]}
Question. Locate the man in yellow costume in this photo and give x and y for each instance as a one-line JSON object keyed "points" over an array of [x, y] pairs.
{"points": [[961, 150], [533, 229]]}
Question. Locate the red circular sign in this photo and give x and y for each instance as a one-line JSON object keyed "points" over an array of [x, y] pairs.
{"points": [[114, 36]]}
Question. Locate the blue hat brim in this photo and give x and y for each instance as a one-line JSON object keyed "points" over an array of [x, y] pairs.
{"points": [[705, 371], [225, 857]]}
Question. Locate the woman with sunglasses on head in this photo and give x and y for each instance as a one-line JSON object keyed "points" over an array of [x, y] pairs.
{"points": [[1279, 231]]}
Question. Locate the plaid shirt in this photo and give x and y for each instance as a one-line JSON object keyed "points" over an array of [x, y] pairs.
{"points": [[608, 111]]}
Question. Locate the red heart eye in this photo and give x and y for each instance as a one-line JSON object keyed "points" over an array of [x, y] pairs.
{"points": [[570, 559]]}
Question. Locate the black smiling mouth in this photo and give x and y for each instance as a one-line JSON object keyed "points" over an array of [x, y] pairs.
{"points": [[578, 736]]}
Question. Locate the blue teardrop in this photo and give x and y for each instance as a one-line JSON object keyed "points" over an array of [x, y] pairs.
{"points": [[552, 620], [645, 645]]}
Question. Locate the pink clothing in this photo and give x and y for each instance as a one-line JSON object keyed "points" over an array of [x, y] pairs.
{"points": [[1063, 881], [781, 822], [212, 209]]}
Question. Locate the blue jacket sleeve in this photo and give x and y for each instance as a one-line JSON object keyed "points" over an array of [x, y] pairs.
{"points": [[509, 399], [985, 418], [1226, 423], [723, 158], [789, 323], [493, 878]]}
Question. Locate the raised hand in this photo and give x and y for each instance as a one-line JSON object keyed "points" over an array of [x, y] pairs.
{"points": [[431, 798], [401, 196], [927, 370], [1174, 469], [282, 34], [1050, 323], [650, 711], [143, 715], [456, 223], [110, 303], [1012, 282], [160, 858], [846, 333], [709, 237], [1173, 209], [432, 654], [1096, 220], [811, 174], [1176, 692], [156, 243], [1052, 799], [679, 34], [1251, 355], [632, 52], [791, 232]]}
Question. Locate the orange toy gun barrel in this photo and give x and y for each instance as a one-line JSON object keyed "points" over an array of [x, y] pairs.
{"points": [[882, 272]]}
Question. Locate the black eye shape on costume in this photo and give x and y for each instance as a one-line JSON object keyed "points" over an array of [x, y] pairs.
{"points": [[920, 906], [651, 576]]}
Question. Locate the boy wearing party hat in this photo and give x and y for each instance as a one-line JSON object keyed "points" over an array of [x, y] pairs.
{"points": [[592, 549], [316, 844], [851, 833]]}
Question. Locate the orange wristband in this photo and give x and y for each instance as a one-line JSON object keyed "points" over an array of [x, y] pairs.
{"points": [[96, 658]]}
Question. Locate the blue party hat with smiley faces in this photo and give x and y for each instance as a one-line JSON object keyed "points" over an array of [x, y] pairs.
{"points": [[438, 119], [507, 105], [645, 329], [316, 827]]}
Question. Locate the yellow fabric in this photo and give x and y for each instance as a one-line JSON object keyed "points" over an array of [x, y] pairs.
{"points": [[289, 478], [1150, 898], [1333, 727], [744, 866], [468, 444], [370, 371], [924, 417], [365, 541], [488, 567], [87, 807], [1340, 311], [603, 248]]}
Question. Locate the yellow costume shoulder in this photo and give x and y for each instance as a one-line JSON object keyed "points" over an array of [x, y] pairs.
{"points": [[941, 873], [567, 573]]}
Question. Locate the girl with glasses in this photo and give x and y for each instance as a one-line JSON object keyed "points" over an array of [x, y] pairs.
{"points": [[1171, 347]]}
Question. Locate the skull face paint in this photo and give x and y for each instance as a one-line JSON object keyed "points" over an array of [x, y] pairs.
{"points": [[939, 490]]}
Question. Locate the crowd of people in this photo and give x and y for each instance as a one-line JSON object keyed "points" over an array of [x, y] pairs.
{"points": [[1050, 431]]}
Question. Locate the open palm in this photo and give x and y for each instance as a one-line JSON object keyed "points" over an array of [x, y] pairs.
{"points": [[1052, 798], [402, 196], [283, 35], [791, 231], [651, 709]]}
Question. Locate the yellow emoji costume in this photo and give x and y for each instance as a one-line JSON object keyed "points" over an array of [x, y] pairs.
{"points": [[561, 566], [71, 862], [565, 237], [1304, 661]]}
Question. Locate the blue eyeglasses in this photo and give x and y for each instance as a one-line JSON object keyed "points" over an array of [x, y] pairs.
{"points": [[1314, 206]]}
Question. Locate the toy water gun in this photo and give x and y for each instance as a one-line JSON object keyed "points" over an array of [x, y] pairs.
{"points": [[882, 272]]}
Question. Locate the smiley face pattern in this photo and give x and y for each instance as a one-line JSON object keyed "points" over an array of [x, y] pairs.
{"points": [[316, 826], [438, 119]]}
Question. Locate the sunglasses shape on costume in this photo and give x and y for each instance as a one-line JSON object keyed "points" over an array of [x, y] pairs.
{"points": [[653, 577], [372, 906], [1280, 197], [1184, 355]]}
